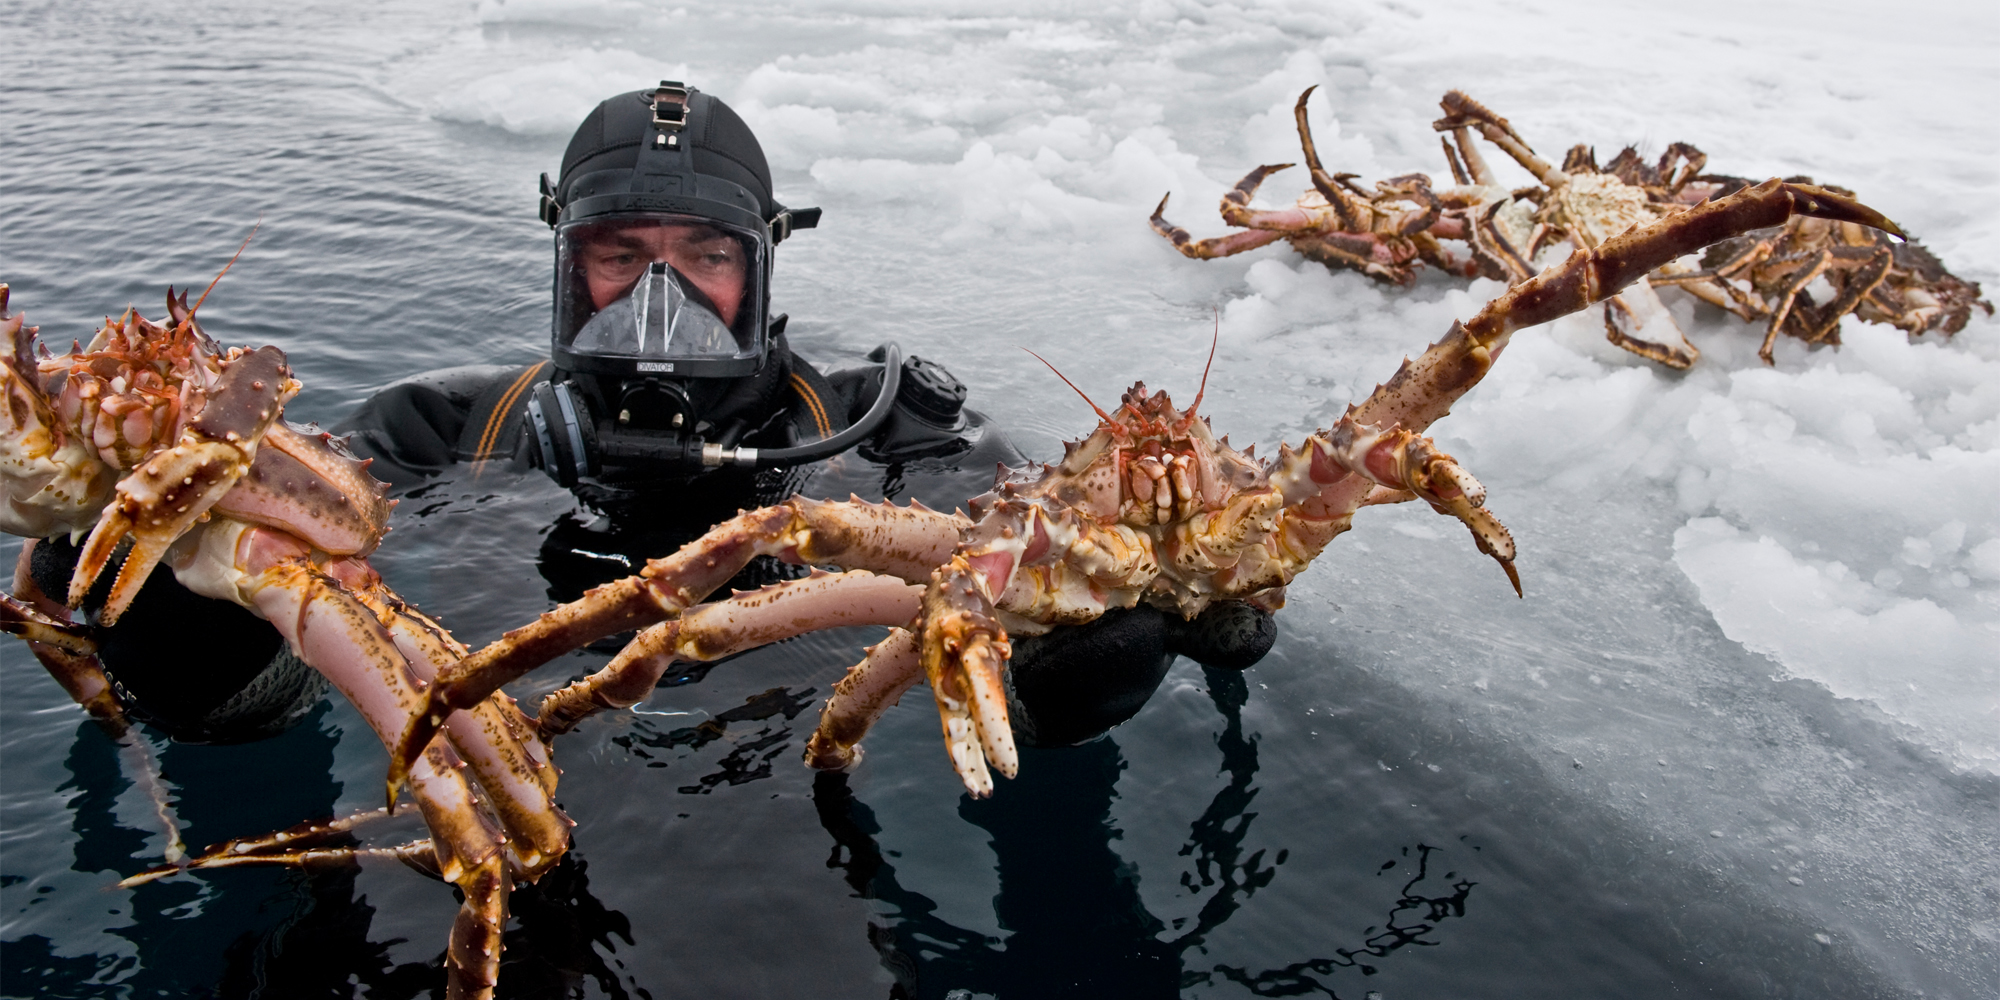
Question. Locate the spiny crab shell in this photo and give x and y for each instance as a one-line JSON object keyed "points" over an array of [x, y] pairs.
{"points": [[1194, 520], [76, 422]]}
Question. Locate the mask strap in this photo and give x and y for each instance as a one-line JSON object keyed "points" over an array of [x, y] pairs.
{"points": [[664, 166], [670, 114]]}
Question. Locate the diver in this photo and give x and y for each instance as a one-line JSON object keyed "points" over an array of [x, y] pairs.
{"points": [[669, 400], [668, 378]]}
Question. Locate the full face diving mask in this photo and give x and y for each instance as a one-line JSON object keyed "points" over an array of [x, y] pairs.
{"points": [[660, 296], [658, 316]]}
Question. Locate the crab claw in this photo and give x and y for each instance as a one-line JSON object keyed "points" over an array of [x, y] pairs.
{"points": [[905, 542], [174, 487], [1402, 464], [20, 619], [964, 651], [1449, 489]]}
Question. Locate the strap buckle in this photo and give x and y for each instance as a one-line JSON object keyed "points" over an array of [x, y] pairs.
{"points": [[551, 209], [670, 106], [789, 219]]}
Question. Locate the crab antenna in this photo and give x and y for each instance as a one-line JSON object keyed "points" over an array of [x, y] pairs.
{"points": [[1214, 339], [226, 267], [1106, 417]]}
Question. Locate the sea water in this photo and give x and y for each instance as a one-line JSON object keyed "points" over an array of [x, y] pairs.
{"points": [[1739, 738]]}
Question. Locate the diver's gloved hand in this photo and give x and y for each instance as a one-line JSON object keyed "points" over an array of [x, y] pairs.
{"points": [[1075, 683]]}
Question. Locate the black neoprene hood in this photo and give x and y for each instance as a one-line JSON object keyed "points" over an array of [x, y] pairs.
{"points": [[620, 161]]}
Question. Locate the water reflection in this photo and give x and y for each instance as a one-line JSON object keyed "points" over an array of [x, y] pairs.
{"points": [[562, 937], [748, 759], [271, 932], [1075, 921], [287, 932], [1422, 913]]}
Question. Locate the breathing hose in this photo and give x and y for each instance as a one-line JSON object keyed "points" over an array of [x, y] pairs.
{"points": [[826, 447]]}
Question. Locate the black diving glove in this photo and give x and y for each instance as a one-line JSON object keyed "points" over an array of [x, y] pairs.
{"points": [[1075, 683]]}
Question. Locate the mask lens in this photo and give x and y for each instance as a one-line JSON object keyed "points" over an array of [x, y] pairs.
{"points": [[652, 288]]}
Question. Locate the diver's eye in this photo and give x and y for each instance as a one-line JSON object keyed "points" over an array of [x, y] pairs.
{"points": [[715, 257], [616, 262]]}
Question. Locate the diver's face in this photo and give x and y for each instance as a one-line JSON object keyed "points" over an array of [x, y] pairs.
{"points": [[708, 258]]}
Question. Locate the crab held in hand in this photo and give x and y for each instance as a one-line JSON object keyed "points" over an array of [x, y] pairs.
{"points": [[153, 434], [1149, 507]]}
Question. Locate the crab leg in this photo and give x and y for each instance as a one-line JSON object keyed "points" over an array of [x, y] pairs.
{"points": [[1490, 244], [1716, 287], [891, 668], [493, 737], [298, 838], [296, 846], [1632, 315], [1462, 112], [1458, 174], [1335, 472], [1267, 227], [1356, 215], [904, 542], [1868, 274], [1816, 265], [1475, 170], [67, 650], [724, 628], [418, 854], [58, 635], [963, 650]]}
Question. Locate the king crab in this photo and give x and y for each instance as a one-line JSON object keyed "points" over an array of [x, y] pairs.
{"points": [[1150, 507], [155, 433], [1899, 284], [1758, 276], [1587, 205], [1387, 233]]}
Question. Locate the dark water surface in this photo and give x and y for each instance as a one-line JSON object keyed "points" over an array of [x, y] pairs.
{"points": [[1332, 822]]}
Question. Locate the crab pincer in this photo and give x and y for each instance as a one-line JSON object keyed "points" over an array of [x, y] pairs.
{"points": [[175, 487]]}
